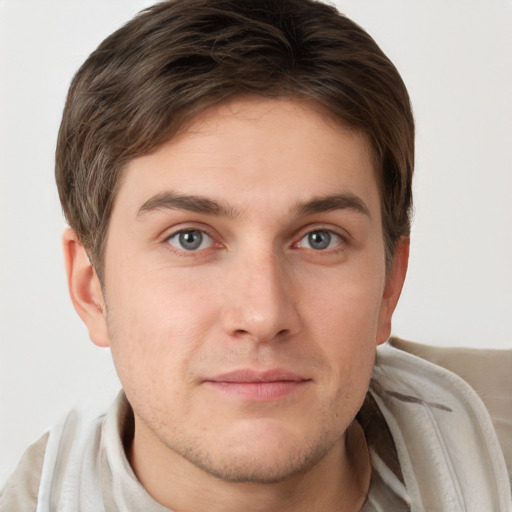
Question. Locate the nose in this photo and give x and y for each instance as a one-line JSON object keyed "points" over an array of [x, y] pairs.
{"points": [[260, 306]]}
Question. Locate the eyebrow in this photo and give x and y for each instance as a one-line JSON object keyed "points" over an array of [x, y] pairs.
{"points": [[199, 204], [334, 202], [192, 203]]}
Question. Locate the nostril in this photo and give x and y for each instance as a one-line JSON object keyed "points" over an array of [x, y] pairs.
{"points": [[259, 336]]}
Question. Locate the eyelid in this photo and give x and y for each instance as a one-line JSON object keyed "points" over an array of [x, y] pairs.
{"points": [[335, 242], [169, 233], [335, 230], [209, 240], [335, 238]]}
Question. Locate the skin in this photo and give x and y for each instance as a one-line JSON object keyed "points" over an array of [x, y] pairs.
{"points": [[285, 289]]}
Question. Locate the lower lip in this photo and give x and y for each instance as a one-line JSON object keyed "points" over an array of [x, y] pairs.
{"points": [[259, 391]]}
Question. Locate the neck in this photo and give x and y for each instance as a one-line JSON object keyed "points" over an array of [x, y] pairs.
{"points": [[338, 482]]}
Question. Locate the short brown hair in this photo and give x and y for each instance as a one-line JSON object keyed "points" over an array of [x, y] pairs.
{"points": [[181, 56]]}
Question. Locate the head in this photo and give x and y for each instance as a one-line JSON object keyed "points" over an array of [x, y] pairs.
{"points": [[236, 174], [177, 58]]}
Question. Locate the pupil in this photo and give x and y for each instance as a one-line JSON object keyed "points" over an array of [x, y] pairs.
{"points": [[319, 239], [191, 239]]}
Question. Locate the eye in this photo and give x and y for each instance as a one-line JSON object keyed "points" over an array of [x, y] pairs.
{"points": [[320, 240], [190, 240]]}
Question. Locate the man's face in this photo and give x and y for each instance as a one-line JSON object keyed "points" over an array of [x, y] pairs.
{"points": [[245, 289]]}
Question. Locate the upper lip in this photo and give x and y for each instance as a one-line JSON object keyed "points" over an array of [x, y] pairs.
{"points": [[251, 376]]}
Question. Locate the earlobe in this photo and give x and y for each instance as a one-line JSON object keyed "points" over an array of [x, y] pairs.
{"points": [[84, 288], [393, 288]]}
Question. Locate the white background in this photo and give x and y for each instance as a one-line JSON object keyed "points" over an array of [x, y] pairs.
{"points": [[455, 57]]}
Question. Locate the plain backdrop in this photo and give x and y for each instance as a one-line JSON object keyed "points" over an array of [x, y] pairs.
{"points": [[456, 58]]}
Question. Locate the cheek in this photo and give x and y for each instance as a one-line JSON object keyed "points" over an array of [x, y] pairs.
{"points": [[344, 319], [347, 303], [160, 299], [156, 325]]}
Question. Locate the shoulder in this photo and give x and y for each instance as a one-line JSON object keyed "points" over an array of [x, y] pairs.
{"points": [[49, 469], [444, 413], [487, 371], [21, 489]]}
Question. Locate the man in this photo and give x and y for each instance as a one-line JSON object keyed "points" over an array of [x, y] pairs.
{"points": [[237, 180]]}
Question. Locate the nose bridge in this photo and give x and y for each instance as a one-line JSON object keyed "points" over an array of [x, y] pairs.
{"points": [[261, 304]]}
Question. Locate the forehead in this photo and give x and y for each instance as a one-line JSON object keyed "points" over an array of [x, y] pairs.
{"points": [[251, 151]]}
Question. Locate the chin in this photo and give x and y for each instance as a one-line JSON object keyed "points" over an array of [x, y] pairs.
{"points": [[261, 458], [259, 470]]}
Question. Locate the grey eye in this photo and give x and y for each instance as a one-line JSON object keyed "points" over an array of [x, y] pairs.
{"points": [[320, 240], [190, 240]]}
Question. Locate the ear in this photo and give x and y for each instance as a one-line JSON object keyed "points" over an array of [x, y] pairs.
{"points": [[84, 288], [393, 288]]}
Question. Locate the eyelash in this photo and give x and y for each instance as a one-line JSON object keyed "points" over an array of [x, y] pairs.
{"points": [[193, 251], [332, 236], [340, 241]]}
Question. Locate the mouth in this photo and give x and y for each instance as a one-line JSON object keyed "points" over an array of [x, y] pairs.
{"points": [[256, 385]]}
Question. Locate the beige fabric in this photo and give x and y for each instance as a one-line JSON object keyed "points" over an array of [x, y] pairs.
{"points": [[20, 491], [487, 371], [447, 445]]}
